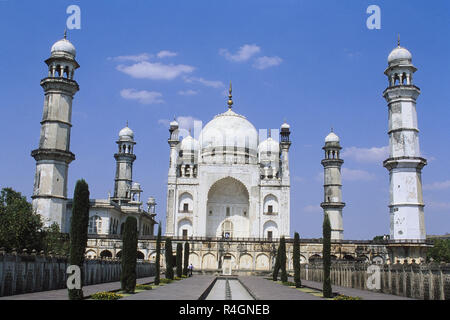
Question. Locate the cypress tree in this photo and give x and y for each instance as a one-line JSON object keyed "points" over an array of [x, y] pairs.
{"points": [[78, 232], [186, 258], [179, 259], [326, 253], [296, 260], [169, 259], [129, 255], [158, 256], [284, 277], [276, 268]]}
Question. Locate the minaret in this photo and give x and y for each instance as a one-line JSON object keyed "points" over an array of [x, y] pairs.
{"points": [[53, 155], [172, 178], [285, 144], [332, 204], [124, 165], [404, 163]]}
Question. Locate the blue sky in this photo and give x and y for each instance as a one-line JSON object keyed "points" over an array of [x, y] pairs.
{"points": [[313, 63]]}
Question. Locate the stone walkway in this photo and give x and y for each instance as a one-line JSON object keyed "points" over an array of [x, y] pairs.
{"points": [[263, 289], [187, 289], [364, 294], [61, 294]]}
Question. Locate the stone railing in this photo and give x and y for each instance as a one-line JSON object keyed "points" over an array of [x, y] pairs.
{"points": [[24, 273], [419, 281]]}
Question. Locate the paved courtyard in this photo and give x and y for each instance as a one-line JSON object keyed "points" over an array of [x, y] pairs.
{"points": [[193, 287]]}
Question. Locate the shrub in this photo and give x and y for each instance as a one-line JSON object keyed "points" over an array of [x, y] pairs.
{"points": [[288, 283], [165, 281], [143, 287], [78, 232], [344, 297], [129, 255], [104, 295]]}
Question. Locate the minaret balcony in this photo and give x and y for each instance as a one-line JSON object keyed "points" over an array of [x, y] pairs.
{"points": [[405, 162], [332, 205]]}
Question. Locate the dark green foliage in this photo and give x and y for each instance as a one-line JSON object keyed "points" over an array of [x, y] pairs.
{"points": [[169, 259], [55, 241], [79, 231], [186, 258], [296, 260], [158, 256], [129, 255], [20, 227], [326, 253], [284, 277], [276, 267], [440, 252], [179, 260]]}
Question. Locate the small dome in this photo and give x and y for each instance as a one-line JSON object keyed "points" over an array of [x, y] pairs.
{"points": [[136, 186], [332, 137], [285, 126], [126, 134], [269, 145], [63, 45], [189, 144], [174, 123], [151, 200], [399, 55]]}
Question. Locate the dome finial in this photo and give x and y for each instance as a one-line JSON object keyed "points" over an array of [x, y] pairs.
{"points": [[270, 133], [230, 101], [331, 129], [398, 39], [127, 124], [65, 33]]}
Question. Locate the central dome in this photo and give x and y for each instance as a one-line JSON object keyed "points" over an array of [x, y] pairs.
{"points": [[227, 131]]}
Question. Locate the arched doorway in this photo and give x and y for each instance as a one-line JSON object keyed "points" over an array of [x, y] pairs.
{"points": [[228, 200], [106, 254]]}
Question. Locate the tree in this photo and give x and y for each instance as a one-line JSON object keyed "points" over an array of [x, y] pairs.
{"points": [[158, 256], [179, 259], [54, 240], [186, 259], [440, 252], [20, 226], [296, 260], [169, 259], [277, 265], [129, 255], [79, 231], [284, 277], [326, 253]]}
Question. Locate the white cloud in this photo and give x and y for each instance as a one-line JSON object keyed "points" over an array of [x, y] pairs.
{"points": [[155, 70], [373, 154], [166, 53], [135, 58], [208, 83], [437, 185], [313, 209], [187, 92], [356, 175], [243, 54], [184, 123], [262, 63], [143, 96]]}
